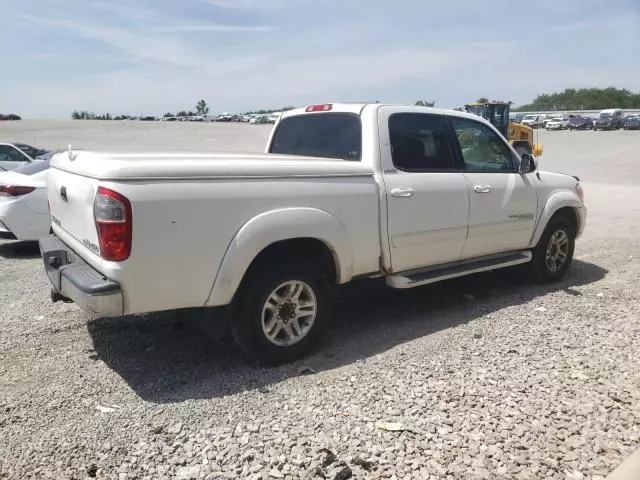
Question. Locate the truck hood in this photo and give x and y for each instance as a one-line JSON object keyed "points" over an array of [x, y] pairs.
{"points": [[173, 166]]}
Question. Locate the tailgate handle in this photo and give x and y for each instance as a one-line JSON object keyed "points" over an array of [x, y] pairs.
{"points": [[63, 194]]}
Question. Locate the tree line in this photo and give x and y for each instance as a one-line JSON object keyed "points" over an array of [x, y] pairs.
{"points": [[202, 109], [584, 99]]}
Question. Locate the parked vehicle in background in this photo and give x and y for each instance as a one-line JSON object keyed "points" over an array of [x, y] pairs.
{"points": [[533, 121], [15, 155], [557, 123], [227, 117], [24, 213], [580, 123], [610, 119], [632, 123], [274, 117], [414, 195], [259, 120]]}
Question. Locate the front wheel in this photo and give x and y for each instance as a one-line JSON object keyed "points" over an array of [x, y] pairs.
{"points": [[281, 312], [553, 254]]}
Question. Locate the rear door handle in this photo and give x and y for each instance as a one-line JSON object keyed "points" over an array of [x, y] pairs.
{"points": [[402, 192], [483, 188]]}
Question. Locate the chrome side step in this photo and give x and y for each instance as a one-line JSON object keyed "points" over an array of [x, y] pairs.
{"points": [[415, 278]]}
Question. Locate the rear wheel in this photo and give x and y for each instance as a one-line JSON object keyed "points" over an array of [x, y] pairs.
{"points": [[553, 254], [281, 312]]}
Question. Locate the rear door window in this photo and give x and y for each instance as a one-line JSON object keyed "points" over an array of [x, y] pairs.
{"points": [[420, 142], [329, 135]]}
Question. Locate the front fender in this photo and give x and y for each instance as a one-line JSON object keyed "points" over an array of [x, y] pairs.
{"points": [[275, 226], [554, 203]]}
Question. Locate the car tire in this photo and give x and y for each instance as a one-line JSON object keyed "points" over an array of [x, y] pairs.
{"points": [[553, 254], [266, 308]]}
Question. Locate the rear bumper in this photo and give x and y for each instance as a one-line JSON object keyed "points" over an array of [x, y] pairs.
{"points": [[75, 280]]}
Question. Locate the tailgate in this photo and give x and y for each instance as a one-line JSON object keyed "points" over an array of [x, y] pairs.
{"points": [[71, 203]]}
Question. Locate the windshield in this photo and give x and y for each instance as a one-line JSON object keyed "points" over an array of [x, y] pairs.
{"points": [[331, 135], [605, 115], [480, 110], [33, 167], [529, 117]]}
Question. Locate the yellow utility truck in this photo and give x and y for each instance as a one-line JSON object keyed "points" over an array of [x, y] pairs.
{"points": [[519, 135]]}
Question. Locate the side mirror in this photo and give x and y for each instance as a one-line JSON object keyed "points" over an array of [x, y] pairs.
{"points": [[527, 164], [537, 149]]}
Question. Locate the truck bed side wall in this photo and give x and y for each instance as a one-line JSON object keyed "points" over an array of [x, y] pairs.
{"points": [[182, 230]]}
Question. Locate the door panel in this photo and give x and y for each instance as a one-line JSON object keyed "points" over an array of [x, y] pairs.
{"points": [[503, 218], [502, 202], [427, 196]]}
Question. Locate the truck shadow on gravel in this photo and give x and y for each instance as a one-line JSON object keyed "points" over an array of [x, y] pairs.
{"points": [[19, 249], [164, 360]]}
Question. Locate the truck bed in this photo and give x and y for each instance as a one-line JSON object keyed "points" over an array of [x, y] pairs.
{"points": [[188, 211]]}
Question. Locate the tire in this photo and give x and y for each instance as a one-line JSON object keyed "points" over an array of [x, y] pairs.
{"points": [[252, 316], [543, 270]]}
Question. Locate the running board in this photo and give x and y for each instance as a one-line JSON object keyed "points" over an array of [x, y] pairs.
{"points": [[415, 278]]}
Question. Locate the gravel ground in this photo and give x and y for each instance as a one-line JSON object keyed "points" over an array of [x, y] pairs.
{"points": [[484, 377]]}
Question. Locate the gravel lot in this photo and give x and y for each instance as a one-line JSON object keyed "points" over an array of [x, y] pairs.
{"points": [[489, 377]]}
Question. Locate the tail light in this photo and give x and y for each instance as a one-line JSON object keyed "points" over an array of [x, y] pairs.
{"points": [[112, 214], [319, 108], [14, 190]]}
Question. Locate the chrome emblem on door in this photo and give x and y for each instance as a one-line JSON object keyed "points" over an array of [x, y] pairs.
{"points": [[522, 216]]}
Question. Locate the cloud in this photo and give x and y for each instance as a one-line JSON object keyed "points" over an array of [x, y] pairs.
{"points": [[152, 56], [149, 44], [241, 84], [247, 4], [212, 27]]}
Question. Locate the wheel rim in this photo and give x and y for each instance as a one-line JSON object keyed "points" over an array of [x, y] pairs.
{"points": [[557, 250], [289, 313]]}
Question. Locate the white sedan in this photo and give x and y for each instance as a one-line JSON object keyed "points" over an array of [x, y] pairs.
{"points": [[24, 212], [558, 123]]}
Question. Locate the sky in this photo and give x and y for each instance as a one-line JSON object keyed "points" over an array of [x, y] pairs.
{"points": [[147, 57]]}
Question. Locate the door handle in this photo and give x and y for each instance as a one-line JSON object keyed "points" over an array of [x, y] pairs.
{"points": [[402, 192], [483, 188]]}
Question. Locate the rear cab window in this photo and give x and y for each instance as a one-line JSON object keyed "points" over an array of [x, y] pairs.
{"points": [[326, 134]]}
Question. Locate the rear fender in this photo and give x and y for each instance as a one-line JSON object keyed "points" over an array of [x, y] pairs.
{"points": [[275, 226], [554, 203]]}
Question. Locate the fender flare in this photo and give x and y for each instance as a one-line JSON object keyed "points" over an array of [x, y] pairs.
{"points": [[554, 203], [274, 226]]}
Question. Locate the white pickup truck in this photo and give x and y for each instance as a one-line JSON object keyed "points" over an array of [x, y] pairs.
{"points": [[412, 194]]}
